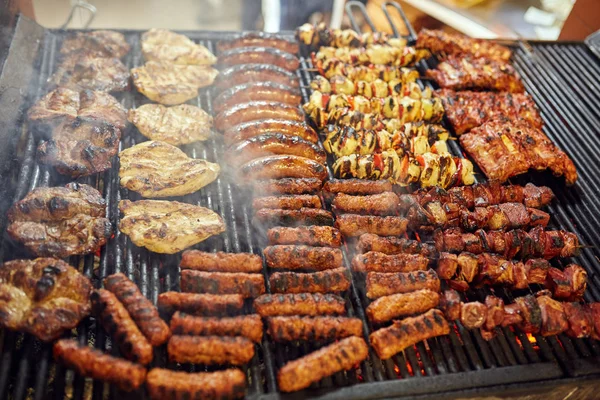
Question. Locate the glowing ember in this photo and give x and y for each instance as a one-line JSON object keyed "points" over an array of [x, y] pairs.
{"points": [[531, 339]]}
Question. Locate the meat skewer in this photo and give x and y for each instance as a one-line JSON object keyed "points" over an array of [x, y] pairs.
{"points": [[166, 384], [334, 66], [339, 84], [200, 304], [319, 35], [516, 243], [310, 304], [248, 326], [407, 332], [340, 356], [289, 329], [221, 261], [373, 261], [374, 54], [401, 305], [210, 350], [309, 235], [381, 284], [394, 245], [328, 281], [248, 285]]}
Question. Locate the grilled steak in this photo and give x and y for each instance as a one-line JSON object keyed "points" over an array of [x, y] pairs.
{"points": [[81, 71]]}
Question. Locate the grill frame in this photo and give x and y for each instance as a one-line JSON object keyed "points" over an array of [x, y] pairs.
{"points": [[23, 355]]}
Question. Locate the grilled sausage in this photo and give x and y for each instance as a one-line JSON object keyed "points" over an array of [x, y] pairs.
{"points": [[311, 304], [164, 384], [267, 55], [116, 320], [286, 186], [308, 235], [357, 186], [210, 350], [402, 334], [248, 73], [290, 256], [274, 143], [289, 329], [333, 280], [381, 284], [92, 363], [381, 262], [200, 304], [303, 216], [263, 39], [287, 202], [385, 203], [401, 305], [281, 166], [143, 312], [248, 326], [340, 356], [256, 91], [356, 225], [221, 262], [279, 125], [393, 245], [256, 110], [248, 285]]}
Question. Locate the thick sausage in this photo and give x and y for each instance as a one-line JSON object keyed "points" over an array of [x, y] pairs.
{"points": [[247, 73], [281, 166], [289, 329], [402, 304], [286, 186], [303, 216], [312, 304], [279, 125], [294, 202], [267, 55], [331, 280], [374, 261], [393, 245], [200, 304], [256, 110], [357, 186], [248, 326], [267, 91], [248, 285], [381, 284], [164, 384], [210, 350], [308, 235], [259, 39], [385, 203], [356, 225], [273, 144], [221, 262], [292, 257]]}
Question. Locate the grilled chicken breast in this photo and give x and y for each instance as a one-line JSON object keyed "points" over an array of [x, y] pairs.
{"points": [[175, 125], [44, 297], [168, 226], [171, 84], [83, 71], [164, 45], [60, 221], [97, 44], [157, 169]]}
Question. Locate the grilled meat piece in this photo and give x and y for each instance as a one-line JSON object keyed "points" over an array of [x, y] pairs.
{"points": [[579, 320], [141, 310], [286, 186], [287, 202], [328, 281], [309, 235], [273, 144], [451, 304], [554, 320], [44, 297], [393, 245], [289, 256], [157, 169], [340, 356], [438, 41], [356, 186], [311, 304], [255, 39], [279, 125], [459, 73], [81, 147], [281, 166], [256, 54], [289, 329], [256, 91], [401, 305], [250, 73], [516, 243], [221, 262], [98, 43], [64, 104], [248, 326], [120, 326], [168, 226], [303, 216], [466, 110], [164, 45], [374, 204], [79, 71], [92, 363], [357, 225], [381, 284], [569, 284], [506, 149], [200, 304], [60, 221], [248, 285], [175, 125], [373, 261], [531, 314], [164, 384], [407, 332], [171, 84], [210, 350], [473, 314]]}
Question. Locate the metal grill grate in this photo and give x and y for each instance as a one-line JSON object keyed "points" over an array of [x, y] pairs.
{"points": [[560, 77]]}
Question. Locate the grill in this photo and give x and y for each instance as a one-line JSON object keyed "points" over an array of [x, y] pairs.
{"points": [[561, 79]]}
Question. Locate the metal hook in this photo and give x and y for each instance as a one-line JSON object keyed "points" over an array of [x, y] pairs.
{"points": [[86, 6], [411, 32], [363, 10]]}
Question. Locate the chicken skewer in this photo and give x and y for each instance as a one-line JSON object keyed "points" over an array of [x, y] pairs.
{"points": [[333, 66], [374, 54], [319, 35], [339, 84]]}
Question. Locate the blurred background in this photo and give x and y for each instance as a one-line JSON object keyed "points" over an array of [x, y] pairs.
{"points": [[530, 19]]}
